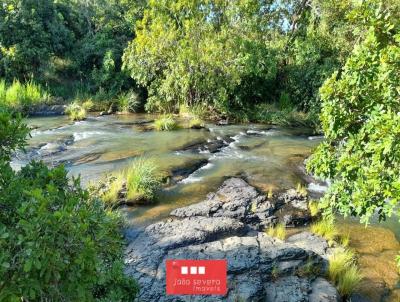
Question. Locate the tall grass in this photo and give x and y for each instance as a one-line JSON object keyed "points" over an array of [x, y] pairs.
{"points": [[343, 271], [277, 231], [327, 229], [142, 180], [313, 207], [20, 96], [110, 197], [165, 123]]}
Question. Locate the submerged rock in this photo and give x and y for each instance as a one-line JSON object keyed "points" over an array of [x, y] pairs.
{"points": [[227, 226]]}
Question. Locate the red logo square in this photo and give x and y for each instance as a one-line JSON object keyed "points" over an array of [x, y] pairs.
{"points": [[196, 277]]}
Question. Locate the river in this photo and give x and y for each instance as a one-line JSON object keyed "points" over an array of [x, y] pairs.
{"points": [[270, 158]]}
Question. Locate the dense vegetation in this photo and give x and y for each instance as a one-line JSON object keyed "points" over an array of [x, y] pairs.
{"points": [[250, 60], [282, 62], [53, 234], [361, 122]]}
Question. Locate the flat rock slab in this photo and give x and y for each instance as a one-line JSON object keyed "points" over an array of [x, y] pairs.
{"points": [[226, 226]]}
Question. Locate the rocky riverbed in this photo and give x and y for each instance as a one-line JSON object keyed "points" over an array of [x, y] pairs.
{"points": [[229, 225]]}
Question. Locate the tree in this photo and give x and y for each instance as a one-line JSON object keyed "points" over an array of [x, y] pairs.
{"points": [[53, 234], [361, 121], [202, 52], [30, 33]]}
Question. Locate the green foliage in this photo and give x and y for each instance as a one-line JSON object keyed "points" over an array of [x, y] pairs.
{"points": [[142, 180], [361, 123], [277, 231], [166, 123], [13, 133], [76, 112], [20, 96], [343, 271], [195, 52], [53, 235]]}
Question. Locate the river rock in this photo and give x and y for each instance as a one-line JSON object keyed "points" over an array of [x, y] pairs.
{"points": [[227, 226], [46, 110]]}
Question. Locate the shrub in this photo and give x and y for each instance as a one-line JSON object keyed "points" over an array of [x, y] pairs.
{"points": [[327, 229], [53, 236], [165, 123], [76, 112], [277, 231], [196, 123], [88, 105], [313, 207], [142, 180], [129, 102]]}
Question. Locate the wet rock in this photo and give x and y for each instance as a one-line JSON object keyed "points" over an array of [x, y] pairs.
{"points": [[47, 110], [288, 289], [234, 199], [204, 146], [323, 291], [47, 149], [102, 113], [226, 226], [182, 172], [222, 122]]}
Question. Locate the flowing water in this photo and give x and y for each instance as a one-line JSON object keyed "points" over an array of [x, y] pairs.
{"points": [[270, 158]]}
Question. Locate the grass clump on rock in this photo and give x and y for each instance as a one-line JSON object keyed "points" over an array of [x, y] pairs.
{"points": [[166, 123], [343, 271], [326, 228], [76, 112], [277, 231], [142, 180]]}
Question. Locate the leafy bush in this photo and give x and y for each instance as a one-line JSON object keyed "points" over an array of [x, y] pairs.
{"points": [[165, 123], [56, 243], [142, 180], [76, 112], [277, 231], [361, 122]]}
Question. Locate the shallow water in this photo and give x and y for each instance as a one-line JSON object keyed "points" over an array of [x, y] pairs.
{"points": [[268, 157]]}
